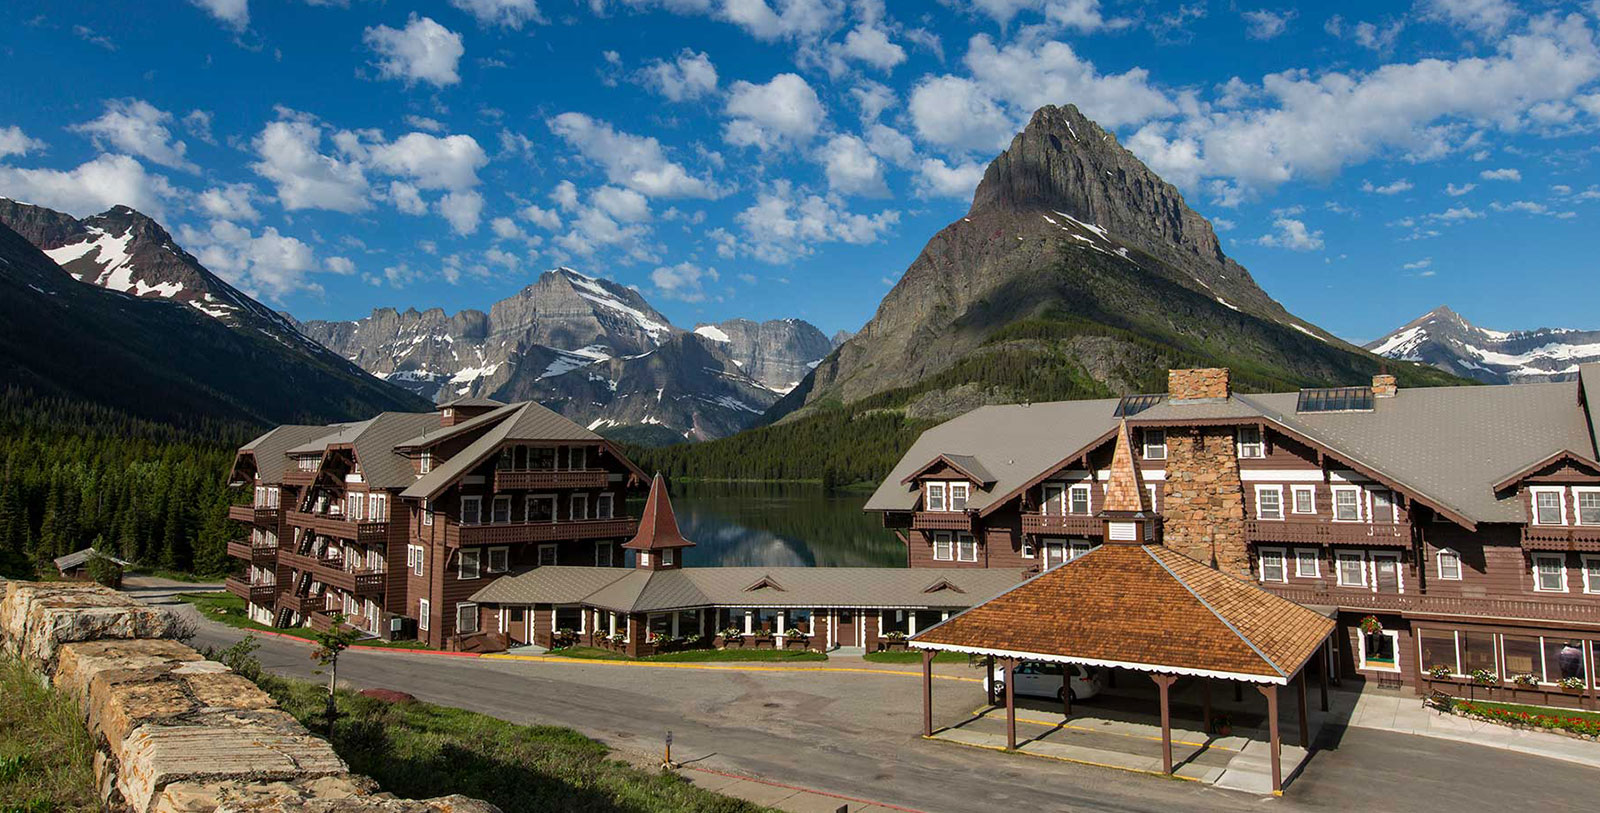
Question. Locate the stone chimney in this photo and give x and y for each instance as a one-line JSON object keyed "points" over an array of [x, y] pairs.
{"points": [[1194, 385], [1384, 386]]}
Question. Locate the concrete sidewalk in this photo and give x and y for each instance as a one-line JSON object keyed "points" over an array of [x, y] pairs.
{"points": [[1403, 712]]}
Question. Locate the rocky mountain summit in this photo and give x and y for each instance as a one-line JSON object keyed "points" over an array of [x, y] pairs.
{"points": [[1444, 339], [778, 352]]}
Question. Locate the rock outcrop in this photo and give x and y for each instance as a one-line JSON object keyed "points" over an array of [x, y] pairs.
{"points": [[778, 352]]}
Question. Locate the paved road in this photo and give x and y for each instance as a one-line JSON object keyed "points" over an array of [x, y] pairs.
{"points": [[855, 734]]}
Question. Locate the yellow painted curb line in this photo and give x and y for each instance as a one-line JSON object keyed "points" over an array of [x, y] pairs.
{"points": [[1067, 759], [723, 667], [1048, 724]]}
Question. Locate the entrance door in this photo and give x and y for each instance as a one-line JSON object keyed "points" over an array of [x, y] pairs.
{"points": [[1055, 553], [1386, 572]]}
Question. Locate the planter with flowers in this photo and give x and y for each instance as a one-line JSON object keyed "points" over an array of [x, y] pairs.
{"points": [[732, 636], [1571, 685], [1440, 672], [795, 638], [763, 639], [893, 640]]}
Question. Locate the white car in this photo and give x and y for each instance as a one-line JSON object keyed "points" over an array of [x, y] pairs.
{"points": [[1037, 679]]}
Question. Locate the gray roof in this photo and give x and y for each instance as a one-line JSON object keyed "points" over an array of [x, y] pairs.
{"points": [[77, 558], [470, 401], [271, 450], [528, 421], [374, 441], [801, 587], [1589, 381], [437, 432]]}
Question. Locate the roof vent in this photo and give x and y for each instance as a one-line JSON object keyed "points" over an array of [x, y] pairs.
{"points": [[1335, 399]]}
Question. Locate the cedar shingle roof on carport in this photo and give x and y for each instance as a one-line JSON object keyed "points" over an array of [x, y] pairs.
{"points": [[1142, 607]]}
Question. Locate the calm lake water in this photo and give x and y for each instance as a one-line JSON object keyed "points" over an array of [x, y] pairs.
{"points": [[781, 524]]}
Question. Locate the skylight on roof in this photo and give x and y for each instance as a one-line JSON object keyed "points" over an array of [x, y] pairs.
{"points": [[1131, 405], [1335, 399]]}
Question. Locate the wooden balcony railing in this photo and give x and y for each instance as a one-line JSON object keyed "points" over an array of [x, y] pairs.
{"points": [[242, 513], [513, 479], [337, 526], [1062, 525], [510, 533], [1564, 538], [370, 582], [297, 477], [320, 621], [1507, 608], [942, 521], [249, 552], [300, 604], [264, 517], [1326, 532]]}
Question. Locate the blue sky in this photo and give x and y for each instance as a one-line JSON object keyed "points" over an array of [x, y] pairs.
{"points": [[770, 158]]}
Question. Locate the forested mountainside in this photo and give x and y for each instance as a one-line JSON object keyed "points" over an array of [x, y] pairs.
{"points": [[1076, 273], [1444, 339]]}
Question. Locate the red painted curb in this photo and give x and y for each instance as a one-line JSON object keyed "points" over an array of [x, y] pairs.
{"points": [[804, 790]]}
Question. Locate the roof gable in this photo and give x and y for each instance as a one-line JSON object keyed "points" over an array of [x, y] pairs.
{"points": [[966, 464]]}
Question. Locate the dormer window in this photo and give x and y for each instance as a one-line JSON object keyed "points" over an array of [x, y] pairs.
{"points": [[1078, 499], [1549, 506], [934, 498], [425, 463], [1155, 444], [1251, 445], [958, 496], [1588, 506]]}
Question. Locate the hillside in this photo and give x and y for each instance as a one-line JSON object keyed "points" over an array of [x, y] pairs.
{"points": [[1444, 339]]}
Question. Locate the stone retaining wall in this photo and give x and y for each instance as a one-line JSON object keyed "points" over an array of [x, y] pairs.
{"points": [[174, 732]]}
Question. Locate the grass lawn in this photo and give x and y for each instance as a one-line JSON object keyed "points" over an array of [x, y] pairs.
{"points": [[420, 750], [912, 656], [174, 575], [46, 756], [229, 609], [694, 655], [1547, 711]]}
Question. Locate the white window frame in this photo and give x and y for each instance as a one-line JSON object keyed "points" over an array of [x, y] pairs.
{"points": [[527, 506], [943, 540], [1149, 450], [1250, 450], [465, 573], [419, 564], [574, 512], [1591, 583], [1438, 562], [1078, 547], [605, 506], [1282, 557], [965, 492], [1361, 652], [1277, 492], [579, 454], [554, 552], [1154, 490], [1027, 548], [424, 612], [1560, 558], [1351, 490], [1296, 492], [1561, 502], [644, 558], [494, 509], [1578, 493], [1060, 498], [668, 557], [460, 610], [427, 512], [1373, 495], [425, 463], [966, 542], [505, 560], [475, 515], [1360, 557], [609, 557], [933, 497], [1088, 499], [1301, 557]]}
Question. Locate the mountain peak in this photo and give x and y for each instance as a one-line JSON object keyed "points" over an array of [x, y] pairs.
{"points": [[1445, 339]]}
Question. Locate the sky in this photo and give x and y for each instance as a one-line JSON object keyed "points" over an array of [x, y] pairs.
{"points": [[777, 158]]}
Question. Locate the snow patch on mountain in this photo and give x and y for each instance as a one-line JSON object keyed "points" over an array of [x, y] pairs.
{"points": [[1444, 339]]}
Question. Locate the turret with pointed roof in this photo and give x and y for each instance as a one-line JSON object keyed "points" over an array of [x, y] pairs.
{"points": [[658, 540], [1127, 512]]}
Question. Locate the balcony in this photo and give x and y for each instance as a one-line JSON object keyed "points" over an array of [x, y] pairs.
{"points": [[1327, 532], [300, 604], [242, 513], [264, 517], [370, 582], [511, 479], [255, 554], [1362, 600], [299, 477], [1561, 538], [262, 594], [510, 533], [338, 526], [942, 521], [1063, 525]]}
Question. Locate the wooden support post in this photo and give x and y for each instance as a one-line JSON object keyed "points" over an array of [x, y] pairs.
{"points": [[1011, 703], [1305, 725], [989, 684], [1066, 691], [1163, 684], [1205, 704], [1270, 691], [927, 693], [1322, 675]]}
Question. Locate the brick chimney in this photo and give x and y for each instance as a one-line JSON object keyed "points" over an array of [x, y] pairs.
{"points": [[1194, 385], [1384, 386]]}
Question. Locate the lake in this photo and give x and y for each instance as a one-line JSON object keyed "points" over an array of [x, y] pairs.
{"points": [[781, 524]]}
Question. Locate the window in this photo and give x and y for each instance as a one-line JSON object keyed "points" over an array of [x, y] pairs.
{"points": [[602, 554], [1588, 506], [1438, 648], [416, 564], [604, 506], [1055, 498], [1548, 508], [1272, 568], [357, 505], [1269, 502], [1380, 651], [578, 508], [1591, 574], [1078, 547], [941, 547], [466, 618], [1550, 573], [1352, 569], [502, 509], [499, 560], [541, 508], [1346, 504], [966, 548], [1305, 499], [1155, 493], [935, 497], [1449, 565], [577, 458], [1079, 495], [1028, 552], [547, 555], [668, 556], [1155, 444], [1382, 506], [1477, 652], [471, 510], [425, 463], [1307, 563], [467, 564], [424, 610], [427, 512], [378, 507], [958, 496], [1250, 444]]}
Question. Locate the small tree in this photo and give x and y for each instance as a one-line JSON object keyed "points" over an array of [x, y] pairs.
{"points": [[329, 644]]}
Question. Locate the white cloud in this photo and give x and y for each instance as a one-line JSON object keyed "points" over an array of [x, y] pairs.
{"points": [[1223, 224], [340, 265], [425, 123], [871, 44], [233, 201], [406, 198], [872, 98], [1457, 191], [636, 162], [291, 157], [1263, 24], [689, 75], [625, 205], [91, 187], [136, 127], [543, 218], [684, 281], [432, 162], [792, 19], [1080, 15], [423, 51], [955, 113], [1456, 214], [1391, 188], [234, 14], [851, 167], [1503, 174], [1482, 16], [936, 179], [505, 228], [15, 142], [461, 210], [1293, 235], [565, 195], [505, 13], [784, 110], [198, 123], [269, 265], [1419, 264], [783, 225], [891, 145]]}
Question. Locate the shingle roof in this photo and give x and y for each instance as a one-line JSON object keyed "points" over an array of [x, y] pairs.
{"points": [[527, 421], [658, 525], [437, 432], [470, 401], [381, 465], [271, 449], [1143, 607], [649, 591], [77, 558]]}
